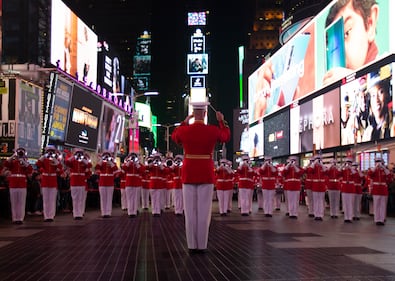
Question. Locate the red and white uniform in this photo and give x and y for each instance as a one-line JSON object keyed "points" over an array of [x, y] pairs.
{"points": [[380, 177], [19, 169], [169, 186], [145, 180], [333, 184], [359, 178], [157, 186], [348, 175], [246, 183], [318, 188], [134, 172], [50, 168], [268, 174], [80, 169], [198, 141], [224, 186], [292, 186], [178, 200], [107, 171], [308, 183]]}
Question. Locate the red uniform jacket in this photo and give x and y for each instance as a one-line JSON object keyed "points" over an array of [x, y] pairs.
{"points": [[49, 169], [106, 171], [334, 174], [292, 175], [177, 174], [380, 177], [157, 177], [134, 174], [319, 175], [198, 141], [19, 169], [79, 171], [348, 180], [246, 177], [268, 175], [308, 181], [224, 177]]}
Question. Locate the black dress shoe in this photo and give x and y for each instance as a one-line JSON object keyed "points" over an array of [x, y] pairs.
{"points": [[179, 215], [78, 218], [132, 216], [48, 220], [318, 219], [18, 222], [245, 214], [293, 217], [260, 209], [311, 215], [287, 214], [379, 223], [106, 216], [268, 215], [277, 209], [156, 215], [355, 218], [347, 221]]}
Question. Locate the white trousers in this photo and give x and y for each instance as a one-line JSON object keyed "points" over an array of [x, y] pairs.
{"points": [[145, 198], [49, 202], [18, 203], [245, 200], [319, 207], [178, 201], [132, 197], [106, 193], [309, 201], [156, 200], [348, 205], [124, 204], [223, 200], [268, 198], [380, 207], [197, 208], [334, 202], [357, 205], [293, 202], [260, 198], [78, 197]]}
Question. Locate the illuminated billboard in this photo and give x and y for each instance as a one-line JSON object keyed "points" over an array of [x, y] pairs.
{"points": [[255, 140], [111, 129], [336, 43], [276, 135], [197, 64], [84, 119], [197, 18], [144, 111], [60, 110], [73, 44]]}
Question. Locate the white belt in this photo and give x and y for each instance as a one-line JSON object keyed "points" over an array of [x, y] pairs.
{"points": [[77, 174], [333, 180], [177, 178], [246, 179], [49, 175], [268, 178], [131, 175], [347, 181], [18, 175], [292, 179], [319, 180], [223, 180], [156, 178], [379, 183], [106, 175]]}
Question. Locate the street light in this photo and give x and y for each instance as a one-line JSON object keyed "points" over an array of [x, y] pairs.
{"points": [[167, 127], [134, 117]]}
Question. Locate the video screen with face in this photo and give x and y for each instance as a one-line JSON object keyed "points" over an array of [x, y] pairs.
{"points": [[256, 141]]}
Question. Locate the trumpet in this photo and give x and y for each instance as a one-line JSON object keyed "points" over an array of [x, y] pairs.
{"points": [[169, 162]]}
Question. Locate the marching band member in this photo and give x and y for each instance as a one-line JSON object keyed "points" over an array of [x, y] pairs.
{"points": [[318, 188], [177, 174], [79, 173], [333, 184], [134, 171], [279, 191], [169, 184], [224, 185], [156, 171], [245, 175], [268, 173], [107, 169], [381, 177], [359, 178], [122, 186], [292, 185], [50, 168], [347, 190], [145, 182], [308, 182], [19, 169]]}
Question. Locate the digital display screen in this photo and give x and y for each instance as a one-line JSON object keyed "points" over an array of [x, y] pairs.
{"points": [[111, 128], [256, 141], [276, 135], [142, 65], [73, 44], [84, 119], [197, 64], [197, 18]]}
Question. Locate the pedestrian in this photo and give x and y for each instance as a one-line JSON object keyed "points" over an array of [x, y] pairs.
{"points": [[198, 140]]}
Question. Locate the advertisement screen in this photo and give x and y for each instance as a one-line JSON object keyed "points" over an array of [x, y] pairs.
{"points": [[144, 113], [276, 135], [29, 118], [197, 18], [240, 130], [7, 116], [197, 64], [142, 65], [111, 128], [255, 140], [73, 44], [315, 124], [84, 119], [367, 107], [336, 43], [60, 111]]}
